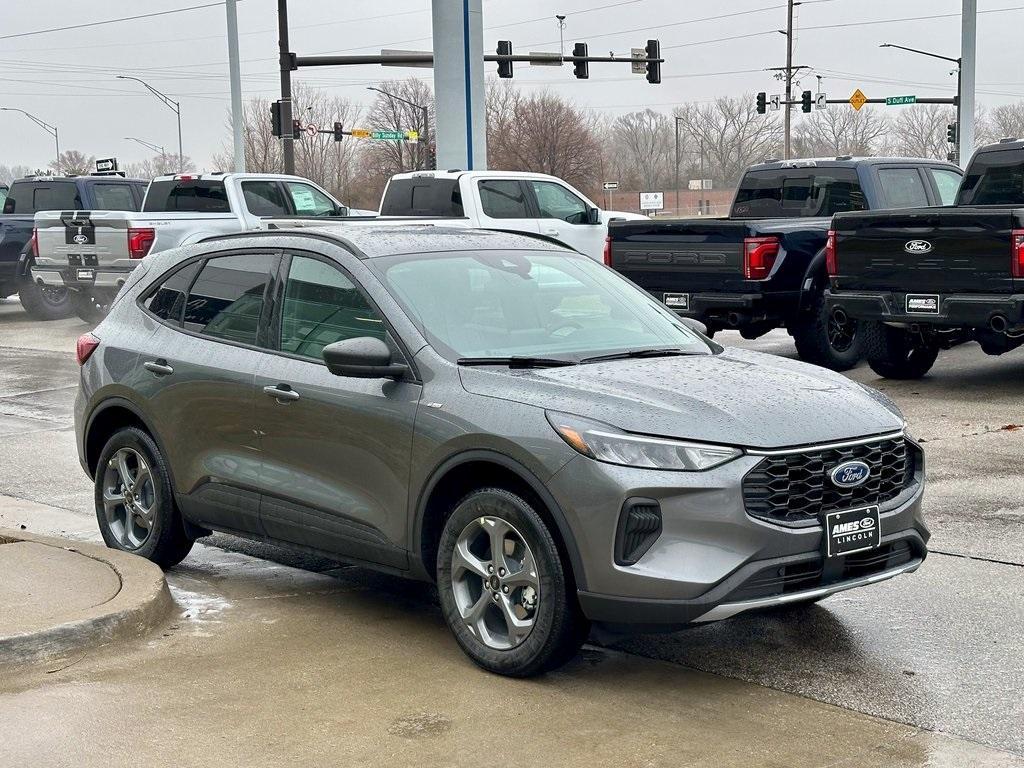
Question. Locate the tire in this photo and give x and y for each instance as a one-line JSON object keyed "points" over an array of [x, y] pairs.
{"points": [[44, 302], [498, 605], [896, 354], [87, 308], [822, 340], [144, 521]]}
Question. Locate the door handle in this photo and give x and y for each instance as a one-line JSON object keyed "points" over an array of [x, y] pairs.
{"points": [[159, 367], [282, 393]]}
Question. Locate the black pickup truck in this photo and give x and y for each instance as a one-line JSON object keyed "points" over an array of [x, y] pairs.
{"points": [[763, 266], [52, 193], [929, 279]]}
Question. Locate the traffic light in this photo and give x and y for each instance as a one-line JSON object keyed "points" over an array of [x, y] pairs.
{"points": [[805, 101], [653, 67], [580, 68], [762, 103], [505, 67], [275, 118], [297, 129], [951, 133], [339, 131]]}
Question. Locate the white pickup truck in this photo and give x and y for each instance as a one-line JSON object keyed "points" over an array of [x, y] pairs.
{"points": [[516, 201], [92, 252]]}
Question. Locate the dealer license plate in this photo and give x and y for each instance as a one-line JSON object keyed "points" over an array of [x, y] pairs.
{"points": [[852, 530]]}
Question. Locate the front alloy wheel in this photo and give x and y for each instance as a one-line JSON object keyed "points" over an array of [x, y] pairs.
{"points": [[129, 498]]}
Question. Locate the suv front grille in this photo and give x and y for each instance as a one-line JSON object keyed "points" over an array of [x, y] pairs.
{"points": [[794, 489]]}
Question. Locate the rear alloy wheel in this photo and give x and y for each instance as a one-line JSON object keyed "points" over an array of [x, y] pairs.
{"points": [[503, 588], [896, 353], [45, 302], [824, 339], [134, 504]]}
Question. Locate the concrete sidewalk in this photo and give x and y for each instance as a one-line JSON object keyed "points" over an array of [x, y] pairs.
{"points": [[59, 596]]}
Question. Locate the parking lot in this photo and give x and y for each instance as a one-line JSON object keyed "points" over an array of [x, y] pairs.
{"points": [[284, 660]]}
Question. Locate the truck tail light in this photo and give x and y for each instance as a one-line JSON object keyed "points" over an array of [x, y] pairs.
{"points": [[1017, 253], [759, 255], [831, 265], [140, 240], [85, 346], [33, 244], [607, 252]]}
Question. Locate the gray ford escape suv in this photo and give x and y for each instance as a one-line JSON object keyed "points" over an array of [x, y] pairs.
{"points": [[494, 412]]}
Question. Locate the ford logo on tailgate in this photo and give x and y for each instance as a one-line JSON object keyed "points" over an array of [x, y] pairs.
{"points": [[850, 474], [917, 246], [80, 239]]}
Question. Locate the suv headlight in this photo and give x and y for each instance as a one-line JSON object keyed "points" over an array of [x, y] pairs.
{"points": [[604, 442]]}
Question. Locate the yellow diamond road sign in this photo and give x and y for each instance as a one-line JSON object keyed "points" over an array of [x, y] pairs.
{"points": [[858, 99]]}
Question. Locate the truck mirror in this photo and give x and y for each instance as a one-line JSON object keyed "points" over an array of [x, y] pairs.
{"points": [[593, 216]]}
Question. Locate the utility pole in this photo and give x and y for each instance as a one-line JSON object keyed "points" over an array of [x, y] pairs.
{"points": [[677, 166], [789, 76], [236, 85], [288, 144], [966, 77]]}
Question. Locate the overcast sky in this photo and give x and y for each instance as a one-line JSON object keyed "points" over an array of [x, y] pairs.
{"points": [[67, 78]]}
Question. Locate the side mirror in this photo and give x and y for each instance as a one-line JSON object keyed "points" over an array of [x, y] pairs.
{"points": [[341, 210], [593, 215], [364, 357], [691, 323]]}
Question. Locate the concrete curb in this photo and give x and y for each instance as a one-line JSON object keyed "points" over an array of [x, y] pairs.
{"points": [[142, 602]]}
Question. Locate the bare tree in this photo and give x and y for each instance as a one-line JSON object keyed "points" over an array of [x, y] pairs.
{"points": [[389, 113], [1003, 122], [74, 163], [733, 135], [158, 165], [842, 131], [920, 131], [643, 148], [10, 173]]}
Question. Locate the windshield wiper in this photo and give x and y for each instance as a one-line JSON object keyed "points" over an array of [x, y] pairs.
{"points": [[634, 353], [517, 362]]}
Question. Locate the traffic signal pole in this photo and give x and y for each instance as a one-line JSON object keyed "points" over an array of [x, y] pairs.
{"points": [[789, 77]]}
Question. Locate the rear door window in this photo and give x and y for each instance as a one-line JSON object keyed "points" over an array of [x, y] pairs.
{"points": [[947, 182], [114, 197], [187, 195], [503, 199], [227, 297], [264, 198], [902, 188], [798, 193]]}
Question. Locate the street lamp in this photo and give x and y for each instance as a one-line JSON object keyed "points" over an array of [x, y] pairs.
{"points": [[154, 147], [50, 129], [959, 76], [426, 135], [170, 104]]}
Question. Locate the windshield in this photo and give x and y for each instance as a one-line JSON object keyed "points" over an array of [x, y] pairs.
{"points": [[529, 304]]}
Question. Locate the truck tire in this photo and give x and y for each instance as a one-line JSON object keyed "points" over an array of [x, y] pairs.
{"points": [[44, 302], [86, 307], [822, 340], [897, 354]]}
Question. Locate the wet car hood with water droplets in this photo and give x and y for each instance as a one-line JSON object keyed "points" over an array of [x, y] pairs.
{"points": [[737, 397]]}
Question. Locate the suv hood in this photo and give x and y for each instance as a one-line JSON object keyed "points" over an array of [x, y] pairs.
{"points": [[738, 397]]}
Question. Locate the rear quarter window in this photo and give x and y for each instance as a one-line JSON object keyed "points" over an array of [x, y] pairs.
{"points": [[190, 196], [33, 196]]}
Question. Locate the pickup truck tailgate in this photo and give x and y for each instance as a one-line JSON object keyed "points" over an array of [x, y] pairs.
{"points": [[963, 250], [82, 238], [707, 254]]}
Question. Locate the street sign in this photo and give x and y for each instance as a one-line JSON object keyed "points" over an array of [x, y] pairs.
{"points": [[412, 137], [360, 133], [775, 103], [652, 201], [388, 135], [106, 165], [610, 185], [821, 101], [858, 99], [639, 67], [895, 101], [311, 130]]}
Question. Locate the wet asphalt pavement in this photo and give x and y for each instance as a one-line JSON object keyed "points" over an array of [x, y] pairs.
{"points": [[939, 649]]}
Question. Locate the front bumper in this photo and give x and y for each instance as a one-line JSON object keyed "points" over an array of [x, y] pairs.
{"points": [[951, 310], [712, 559]]}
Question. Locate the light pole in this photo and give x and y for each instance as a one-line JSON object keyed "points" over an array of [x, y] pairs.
{"points": [[50, 129], [959, 78], [677, 164], [170, 104], [421, 107], [149, 145]]}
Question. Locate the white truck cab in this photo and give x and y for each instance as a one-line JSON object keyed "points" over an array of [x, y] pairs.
{"points": [[507, 200]]}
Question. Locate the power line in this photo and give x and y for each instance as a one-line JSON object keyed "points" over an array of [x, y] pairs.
{"points": [[109, 21]]}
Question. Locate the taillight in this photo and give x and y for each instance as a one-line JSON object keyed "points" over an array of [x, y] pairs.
{"points": [[85, 346], [759, 256], [831, 265], [1017, 253], [140, 240], [33, 244], [607, 252]]}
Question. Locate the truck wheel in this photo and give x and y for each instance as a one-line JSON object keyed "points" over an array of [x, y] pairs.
{"points": [[88, 308], [897, 354], [822, 339], [44, 302]]}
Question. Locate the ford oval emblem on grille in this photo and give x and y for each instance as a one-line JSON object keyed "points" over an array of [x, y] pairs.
{"points": [[917, 246], [850, 474]]}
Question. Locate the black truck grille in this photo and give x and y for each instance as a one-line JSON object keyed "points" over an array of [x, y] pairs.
{"points": [[794, 489]]}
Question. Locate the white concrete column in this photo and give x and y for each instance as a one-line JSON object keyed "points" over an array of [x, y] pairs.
{"points": [[460, 133]]}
